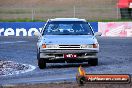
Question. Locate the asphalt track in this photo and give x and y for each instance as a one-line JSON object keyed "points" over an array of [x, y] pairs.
{"points": [[115, 57]]}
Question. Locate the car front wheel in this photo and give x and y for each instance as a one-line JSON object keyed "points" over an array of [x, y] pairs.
{"points": [[41, 62], [93, 62]]}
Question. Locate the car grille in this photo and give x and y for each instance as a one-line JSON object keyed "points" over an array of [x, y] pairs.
{"points": [[70, 46]]}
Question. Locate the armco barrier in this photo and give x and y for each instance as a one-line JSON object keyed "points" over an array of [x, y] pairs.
{"points": [[115, 29], [27, 28]]}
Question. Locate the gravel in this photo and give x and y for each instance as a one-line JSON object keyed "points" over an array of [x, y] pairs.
{"points": [[13, 68]]}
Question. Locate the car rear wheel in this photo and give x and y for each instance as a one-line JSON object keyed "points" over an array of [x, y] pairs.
{"points": [[93, 62]]}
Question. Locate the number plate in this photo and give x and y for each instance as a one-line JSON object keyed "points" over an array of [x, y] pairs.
{"points": [[70, 56]]}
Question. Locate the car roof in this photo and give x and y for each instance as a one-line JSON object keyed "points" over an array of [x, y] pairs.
{"points": [[67, 19]]}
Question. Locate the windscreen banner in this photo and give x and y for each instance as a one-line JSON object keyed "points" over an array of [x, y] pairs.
{"points": [[27, 28], [115, 29]]}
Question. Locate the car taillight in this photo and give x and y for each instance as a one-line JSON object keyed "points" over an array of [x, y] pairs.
{"points": [[43, 45], [95, 45]]}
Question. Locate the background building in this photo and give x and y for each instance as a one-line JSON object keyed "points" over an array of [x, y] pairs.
{"points": [[125, 8]]}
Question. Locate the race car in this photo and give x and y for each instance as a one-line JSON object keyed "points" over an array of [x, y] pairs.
{"points": [[67, 40]]}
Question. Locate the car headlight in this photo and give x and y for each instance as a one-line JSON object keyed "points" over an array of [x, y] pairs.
{"points": [[86, 46], [52, 46]]}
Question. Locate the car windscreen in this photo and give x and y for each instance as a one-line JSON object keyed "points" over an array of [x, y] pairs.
{"points": [[67, 28]]}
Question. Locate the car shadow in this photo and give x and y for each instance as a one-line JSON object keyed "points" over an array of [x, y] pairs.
{"points": [[67, 65]]}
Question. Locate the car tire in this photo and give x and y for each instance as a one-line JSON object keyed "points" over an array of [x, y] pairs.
{"points": [[41, 62], [93, 62]]}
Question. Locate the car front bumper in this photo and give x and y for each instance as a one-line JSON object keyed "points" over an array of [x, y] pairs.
{"points": [[58, 55], [69, 51]]}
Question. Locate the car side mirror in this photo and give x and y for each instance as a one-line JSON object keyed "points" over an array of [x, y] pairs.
{"points": [[97, 33], [38, 34]]}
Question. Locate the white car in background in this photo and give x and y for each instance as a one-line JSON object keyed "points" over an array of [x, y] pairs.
{"points": [[67, 40]]}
